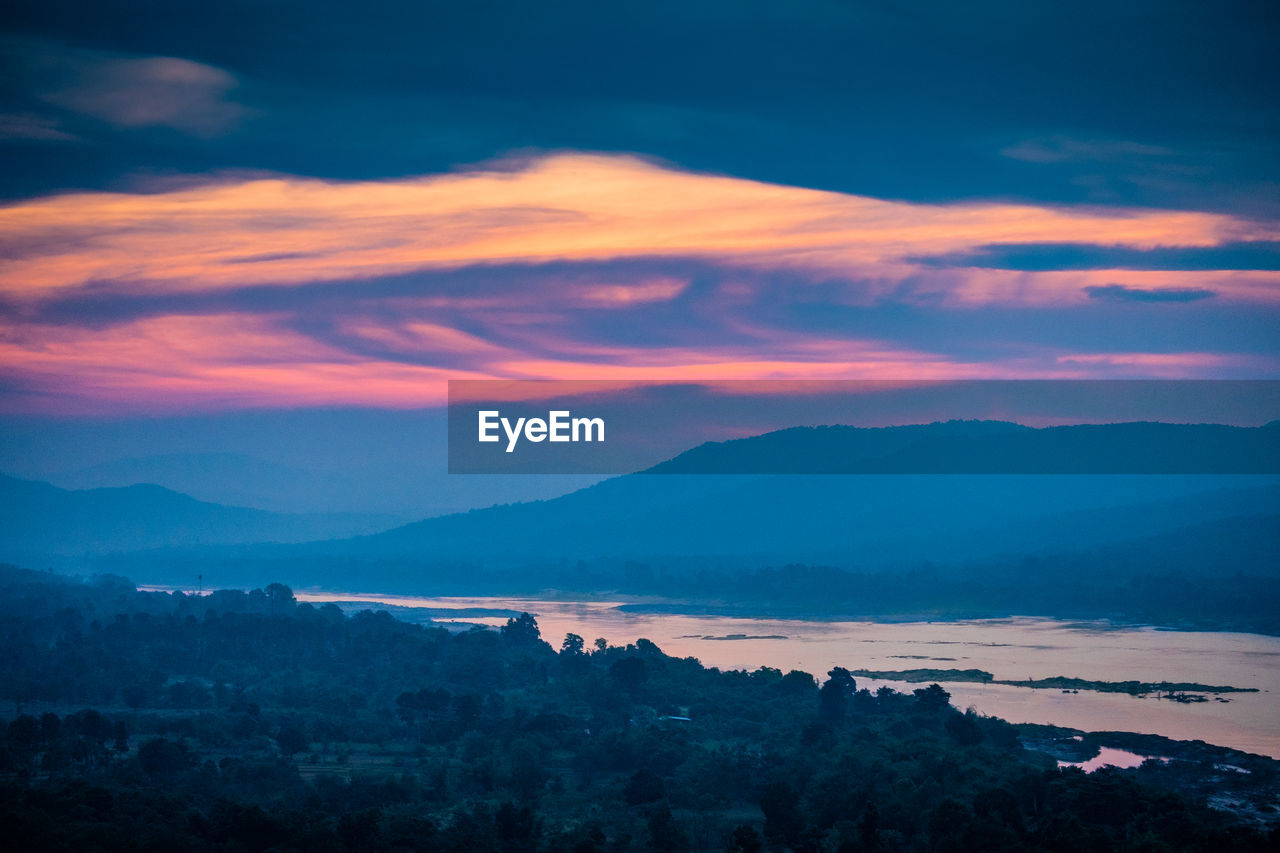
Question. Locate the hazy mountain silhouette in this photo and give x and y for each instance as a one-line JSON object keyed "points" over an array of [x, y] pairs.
{"points": [[233, 479], [871, 521], [863, 521], [992, 447], [875, 519], [41, 519], [1220, 548]]}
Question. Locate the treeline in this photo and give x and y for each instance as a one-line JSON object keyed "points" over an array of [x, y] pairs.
{"points": [[248, 721], [1066, 585]]}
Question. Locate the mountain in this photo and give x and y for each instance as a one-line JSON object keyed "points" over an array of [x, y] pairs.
{"points": [[992, 447], [235, 479], [874, 519], [350, 460], [868, 521], [41, 519], [240, 479], [726, 523]]}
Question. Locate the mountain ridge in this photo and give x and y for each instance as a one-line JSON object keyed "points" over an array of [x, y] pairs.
{"points": [[42, 518], [869, 521], [990, 447]]}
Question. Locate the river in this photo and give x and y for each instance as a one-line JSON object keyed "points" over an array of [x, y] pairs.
{"points": [[1013, 648]]}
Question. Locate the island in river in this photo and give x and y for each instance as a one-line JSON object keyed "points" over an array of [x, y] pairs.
{"points": [[1178, 691]]}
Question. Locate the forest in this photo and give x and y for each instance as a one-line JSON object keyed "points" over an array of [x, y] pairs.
{"points": [[248, 721]]}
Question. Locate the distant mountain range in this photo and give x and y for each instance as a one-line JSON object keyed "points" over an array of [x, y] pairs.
{"points": [[40, 519], [870, 519], [867, 521], [992, 447], [235, 479]]}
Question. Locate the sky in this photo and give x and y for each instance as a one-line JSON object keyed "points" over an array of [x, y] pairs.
{"points": [[215, 208]]}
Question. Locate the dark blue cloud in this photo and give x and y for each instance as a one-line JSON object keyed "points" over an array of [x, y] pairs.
{"points": [[1165, 104], [1124, 293], [1035, 257]]}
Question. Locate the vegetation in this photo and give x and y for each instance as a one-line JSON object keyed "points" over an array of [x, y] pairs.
{"points": [[249, 722], [1057, 682]]}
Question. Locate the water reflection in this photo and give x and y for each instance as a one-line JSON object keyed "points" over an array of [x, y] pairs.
{"points": [[1014, 648], [1111, 757]]}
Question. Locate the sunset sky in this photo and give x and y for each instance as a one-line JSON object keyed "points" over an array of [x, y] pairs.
{"points": [[313, 205]]}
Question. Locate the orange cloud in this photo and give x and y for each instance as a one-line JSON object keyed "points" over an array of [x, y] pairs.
{"points": [[574, 207], [360, 345]]}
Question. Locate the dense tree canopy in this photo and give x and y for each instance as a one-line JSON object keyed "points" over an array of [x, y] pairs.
{"points": [[249, 721]]}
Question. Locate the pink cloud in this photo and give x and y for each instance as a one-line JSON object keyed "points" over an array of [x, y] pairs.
{"points": [[179, 363], [568, 207], [769, 245]]}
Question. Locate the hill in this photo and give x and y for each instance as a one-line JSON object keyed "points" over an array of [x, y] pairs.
{"points": [[41, 519], [870, 521], [1052, 544], [991, 447]]}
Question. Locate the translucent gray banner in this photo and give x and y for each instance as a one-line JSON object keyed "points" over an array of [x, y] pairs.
{"points": [[865, 426]]}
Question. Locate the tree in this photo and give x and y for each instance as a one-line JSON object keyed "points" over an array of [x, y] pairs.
{"points": [[932, 698], [833, 698], [135, 695], [745, 839], [630, 673], [422, 705], [781, 806], [121, 734], [517, 827], [797, 683], [818, 734], [50, 727], [161, 757], [528, 774], [291, 741], [91, 724], [521, 630], [573, 645], [359, 830], [869, 828], [24, 734], [964, 729], [664, 835], [280, 598], [644, 786]]}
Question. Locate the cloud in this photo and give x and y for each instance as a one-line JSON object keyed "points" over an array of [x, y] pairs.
{"points": [[849, 97], [192, 363], [289, 291], [124, 90], [623, 295], [397, 351], [158, 91], [1255, 255], [188, 362], [567, 207], [1161, 365], [1063, 149], [32, 128], [1124, 293]]}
